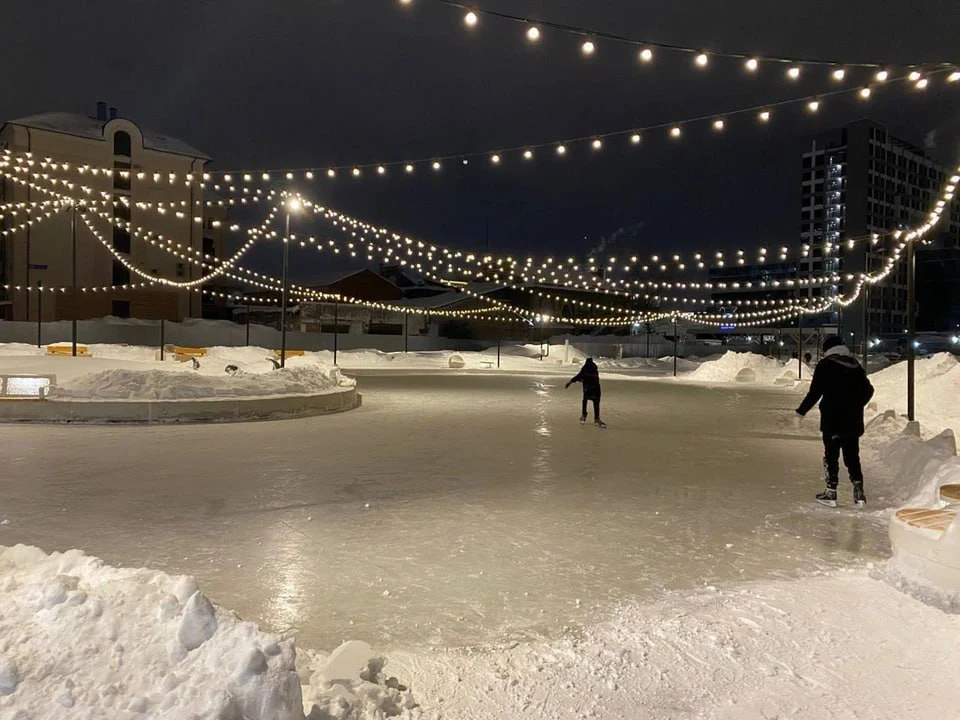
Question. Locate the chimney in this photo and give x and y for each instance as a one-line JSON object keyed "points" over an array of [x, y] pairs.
{"points": [[113, 113], [102, 111]]}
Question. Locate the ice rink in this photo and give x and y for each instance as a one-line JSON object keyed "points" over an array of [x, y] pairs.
{"points": [[451, 510]]}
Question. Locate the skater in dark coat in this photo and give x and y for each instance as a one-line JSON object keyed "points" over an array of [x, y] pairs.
{"points": [[589, 375], [841, 387]]}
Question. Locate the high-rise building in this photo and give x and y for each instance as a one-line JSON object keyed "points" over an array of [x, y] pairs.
{"points": [[860, 180]]}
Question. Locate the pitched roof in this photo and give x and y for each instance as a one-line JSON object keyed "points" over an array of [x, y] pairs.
{"points": [[88, 127]]}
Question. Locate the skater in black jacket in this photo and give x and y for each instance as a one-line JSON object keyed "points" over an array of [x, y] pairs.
{"points": [[589, 375], [841, 387]]}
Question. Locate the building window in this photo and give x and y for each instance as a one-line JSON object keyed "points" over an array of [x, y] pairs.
{"points": [[121, 143], [121, 275], [121, 240], [209, 247], [120, 308]]}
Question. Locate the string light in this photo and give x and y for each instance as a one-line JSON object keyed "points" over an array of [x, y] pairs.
{"points": [[813, 105], [865, 93], [752, 64], [675, 132], [764, 116], [701, 60], [588, 47], [533, 33], [561, 149], [646, 55], [793, 73], [838, 74], [718, 124], [471, 19]]}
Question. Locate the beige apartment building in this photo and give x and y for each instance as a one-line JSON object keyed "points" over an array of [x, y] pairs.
{"points": [[147, 168]]}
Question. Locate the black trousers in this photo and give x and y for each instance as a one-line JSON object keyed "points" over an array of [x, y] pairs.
{"points": [[832, 448], [596, 405]]}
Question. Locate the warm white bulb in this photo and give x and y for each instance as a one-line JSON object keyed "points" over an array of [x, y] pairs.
{"points": [[646, 55], [381, 170], [331, 173], [865, 93], [813, 105], [881, 76], [954, 76], [914, 76], [495, 159], [356, 172], [752, 64], [922, 83], [718, 124], [597, 144], [405, 2], [838, 74], [793, 73], [701, 60], [533, 33], [409, 169], [471, 19], [528, 154], [675, 132], [764, 116], [436, 165], [635, 138], [588, 47]]}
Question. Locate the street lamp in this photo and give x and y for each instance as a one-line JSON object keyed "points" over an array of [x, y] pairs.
{"points": [[292, 205]]}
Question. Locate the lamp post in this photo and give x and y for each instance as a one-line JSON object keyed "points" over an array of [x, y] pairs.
{"points": [[74, 289], [292, 205], [911, 331]]}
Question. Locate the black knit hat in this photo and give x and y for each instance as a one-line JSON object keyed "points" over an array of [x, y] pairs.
{"points": [[832, 342]]}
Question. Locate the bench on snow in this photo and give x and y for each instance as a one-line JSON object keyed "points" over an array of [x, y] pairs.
{"points": [[950, 494], [67, 351], [185, 353], [290, 353]]}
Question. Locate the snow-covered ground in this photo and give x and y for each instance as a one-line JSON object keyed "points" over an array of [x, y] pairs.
{"points": [[508, 562]]}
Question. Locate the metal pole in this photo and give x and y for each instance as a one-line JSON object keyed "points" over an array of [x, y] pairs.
{"points": [[39, 312], [911, 331], [541, 341], [406, 331], [163, 340], [648, 340], [498, 349], [866, 322], [283, 296], [676, 339], [800, 345], [248, 324], [336, 328], [76, 301]]}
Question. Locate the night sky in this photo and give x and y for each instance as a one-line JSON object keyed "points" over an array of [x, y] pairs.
{"points": [[313, 82]]}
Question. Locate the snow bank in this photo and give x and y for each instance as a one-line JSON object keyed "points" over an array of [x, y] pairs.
{"points": [[747, 368], [82, 639], [938, 391], [126, 384]]}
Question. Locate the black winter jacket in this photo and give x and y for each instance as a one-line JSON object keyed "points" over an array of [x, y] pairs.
{"points": [[589, 375], [841, 386]]}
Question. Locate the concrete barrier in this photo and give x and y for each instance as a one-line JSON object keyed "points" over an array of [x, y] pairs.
{"points": [[177, 411]]}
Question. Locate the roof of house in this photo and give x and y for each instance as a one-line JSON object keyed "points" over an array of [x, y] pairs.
{"points": [[92, 128], [328, 279]]}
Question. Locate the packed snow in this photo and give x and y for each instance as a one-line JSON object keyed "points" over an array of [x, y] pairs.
{"points": [[79, 638], [937, 387], [747, 368]]}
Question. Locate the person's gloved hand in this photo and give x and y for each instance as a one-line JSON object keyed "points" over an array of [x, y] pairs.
{"points": [[566, 386]]}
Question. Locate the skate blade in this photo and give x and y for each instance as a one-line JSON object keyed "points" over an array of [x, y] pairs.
{"points": [[861, 503], [828, 503]]}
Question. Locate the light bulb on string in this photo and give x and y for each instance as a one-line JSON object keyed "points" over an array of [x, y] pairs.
{"points": [[813, 106], [588, 48], [356, 172], [764, 116], [528, 154], [701, 59], [436, 165], [954, 76], [561, 149], [865, 93], [914, 76], [794, 72], [635, 138], [922, 83], [597, 144], [495, 159], [381, 170], [881, 75], [645, 55], [838, 74], [718, 124], [408, 169], [751, 64], [533, 34], [675, 131], [471, 19]]}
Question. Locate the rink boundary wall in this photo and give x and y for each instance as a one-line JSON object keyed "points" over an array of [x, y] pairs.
{"points": [[147, 412]]}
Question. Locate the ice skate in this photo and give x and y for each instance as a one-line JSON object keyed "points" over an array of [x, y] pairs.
{"points": [[859, 498], [583, 418], [828, 497], [599, 423]]}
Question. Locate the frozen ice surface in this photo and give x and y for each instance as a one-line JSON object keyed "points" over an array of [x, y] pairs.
{"points": [[449, 510]]}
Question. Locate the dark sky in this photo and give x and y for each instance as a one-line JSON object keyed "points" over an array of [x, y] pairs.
{"points": [[311, 82]]}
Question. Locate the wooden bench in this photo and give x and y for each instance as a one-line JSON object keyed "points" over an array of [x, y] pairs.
{"points": [[291, 353], [486, 363], [926, 518], [182, 354], [950, 493], [67, 351]]}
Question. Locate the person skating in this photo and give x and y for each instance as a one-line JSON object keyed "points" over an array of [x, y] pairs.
{"points": [[589, 375], [841, 387]]}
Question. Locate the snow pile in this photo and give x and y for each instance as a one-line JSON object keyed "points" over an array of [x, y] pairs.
{"points": [[126, 384], [82, 639], [938, 391], [746, 368]]}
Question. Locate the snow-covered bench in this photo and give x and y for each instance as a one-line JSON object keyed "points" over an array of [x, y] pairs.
{"points": [[950, 494], [926, 546], [185, 353], [26, 387], [289, 353]]}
